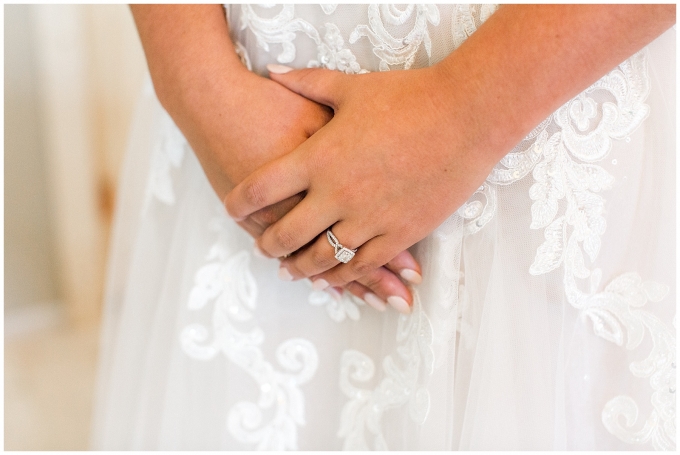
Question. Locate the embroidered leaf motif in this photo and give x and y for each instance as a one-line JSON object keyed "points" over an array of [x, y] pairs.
{"points": [[549, 254], [389, 49], [226, 281], [400, 386]]}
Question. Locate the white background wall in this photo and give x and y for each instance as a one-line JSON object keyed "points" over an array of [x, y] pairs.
{"points": [[72, 77], [29, 252]]}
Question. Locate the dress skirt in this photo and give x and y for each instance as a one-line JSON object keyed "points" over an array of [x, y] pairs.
{"points": [[546, 316]]}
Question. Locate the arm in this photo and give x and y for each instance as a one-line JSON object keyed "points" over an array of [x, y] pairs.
{"points": [[202, 84], [406, 149], [531, 59], [222, 109]]}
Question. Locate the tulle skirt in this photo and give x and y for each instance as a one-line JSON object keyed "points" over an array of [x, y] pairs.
{"points": [[546, 318]]}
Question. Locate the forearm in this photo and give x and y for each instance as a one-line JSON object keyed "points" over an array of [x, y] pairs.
{"points": [[188, 50], [527, 60]]}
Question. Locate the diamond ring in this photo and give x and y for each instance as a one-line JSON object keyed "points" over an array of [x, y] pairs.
{"points": [[342, 254]]}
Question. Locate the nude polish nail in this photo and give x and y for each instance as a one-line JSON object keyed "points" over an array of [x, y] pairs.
{"points": [[411, 276], [399, 304], [278, 69], [375, 301], [284, 274], [258, 252], [337, 295], [320, 284]]}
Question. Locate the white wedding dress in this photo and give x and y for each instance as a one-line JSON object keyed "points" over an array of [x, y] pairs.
{"points": [[546, 319]]}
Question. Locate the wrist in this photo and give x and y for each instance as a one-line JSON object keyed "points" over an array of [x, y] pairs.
{"points": [[482, 126]]}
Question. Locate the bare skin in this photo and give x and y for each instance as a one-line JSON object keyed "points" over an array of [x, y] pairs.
{"points": [[223, 110], [414, 145]]}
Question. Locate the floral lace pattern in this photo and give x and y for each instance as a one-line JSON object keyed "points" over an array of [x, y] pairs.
{"points": [[464, 24], [339, 306], [333, 54], [560, 177], [226, 281], [617, 310], [561, 154], [389, 49], [399, 387], [167, 155], [281, 29]]}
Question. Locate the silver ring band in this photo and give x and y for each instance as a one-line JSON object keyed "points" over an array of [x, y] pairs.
{"points": [[342, 254]]}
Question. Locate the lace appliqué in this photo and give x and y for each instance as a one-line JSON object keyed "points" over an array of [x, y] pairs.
{"points": [[226, 281], [616, 310], [400, 386], [560, 177], [281, 29], [560, 154], [339, 307], [333, 55], [168, 153], [479, 209], [397, 51], [467, 19]]}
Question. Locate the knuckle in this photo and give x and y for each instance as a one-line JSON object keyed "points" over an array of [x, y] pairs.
{"points": [[294, 270], [284, 239], [361, 267], [320, 259], [266, 216], [372, 280], [354, 288], [253, 193], [304, 76]]}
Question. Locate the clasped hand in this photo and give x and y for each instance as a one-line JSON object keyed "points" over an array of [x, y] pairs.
{"points": [[390, 166]]}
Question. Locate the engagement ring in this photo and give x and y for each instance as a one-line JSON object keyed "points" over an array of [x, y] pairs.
{"points": [[342, 254]]}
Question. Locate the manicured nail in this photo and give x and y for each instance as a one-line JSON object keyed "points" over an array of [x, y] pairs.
{"points": [[399, 304], [320, 284], [337, 295], [284, 274], [411, 275], [278, 69], [258, 252], [375, 301]]}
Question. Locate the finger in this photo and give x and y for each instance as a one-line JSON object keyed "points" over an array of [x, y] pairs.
{"points": [[405, 265], [297, 228], [272, 183], [372, 255], [251, 227], [320, 255], [267, 216], [317, 84], [386, 285], [366, 295]]}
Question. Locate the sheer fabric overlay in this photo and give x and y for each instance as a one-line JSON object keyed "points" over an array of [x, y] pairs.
{"points": [[546, 319]]}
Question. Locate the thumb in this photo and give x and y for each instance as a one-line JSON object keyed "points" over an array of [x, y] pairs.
{"points": [[320, 85]]}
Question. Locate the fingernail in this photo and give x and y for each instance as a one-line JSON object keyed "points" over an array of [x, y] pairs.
{"points": [[284, 274], [320, 284], [375, 301], [411, 275], [334, 293], [278, 69], [258, 252], [399, 304]]}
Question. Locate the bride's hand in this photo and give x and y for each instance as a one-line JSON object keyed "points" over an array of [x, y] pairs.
{"points": [[406, 148], [235, 120], [395, 161], [230, 145]]}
